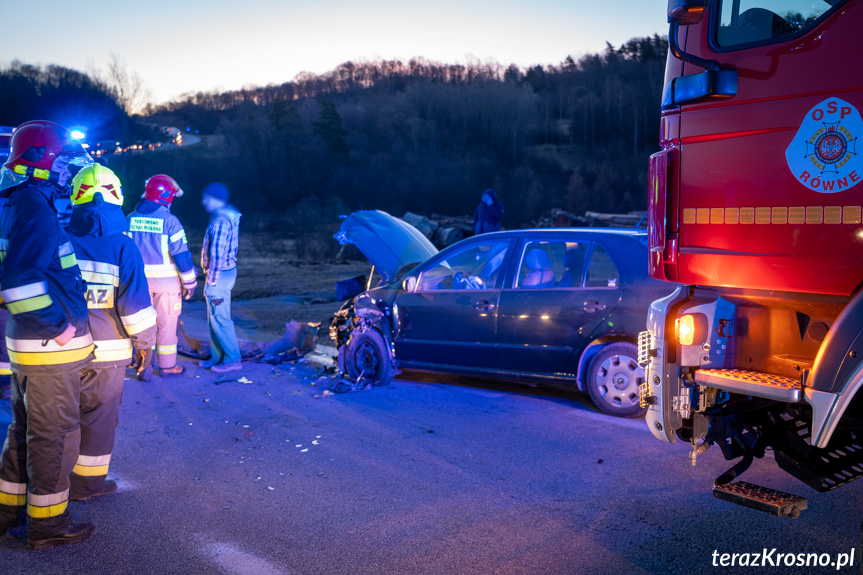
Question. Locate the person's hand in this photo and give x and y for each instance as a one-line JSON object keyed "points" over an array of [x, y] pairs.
{"points": [[143, 357], [188, 293], [66, 336]]}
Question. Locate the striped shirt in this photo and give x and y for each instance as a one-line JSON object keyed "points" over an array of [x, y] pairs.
{"points": [[220, 243]]}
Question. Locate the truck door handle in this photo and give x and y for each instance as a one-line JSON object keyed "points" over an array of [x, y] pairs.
{"points": [[483, 305], [592, 305]]}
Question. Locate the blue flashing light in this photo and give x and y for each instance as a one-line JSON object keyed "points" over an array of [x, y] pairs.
{"points": [[77, 134]]}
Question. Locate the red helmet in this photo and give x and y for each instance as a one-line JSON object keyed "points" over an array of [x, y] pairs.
{"points": [[162, 189], [36, 146]]}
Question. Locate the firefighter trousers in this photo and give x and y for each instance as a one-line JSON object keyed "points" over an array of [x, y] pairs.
{"points": [[101, 395], [169, 304], [41, 448]]}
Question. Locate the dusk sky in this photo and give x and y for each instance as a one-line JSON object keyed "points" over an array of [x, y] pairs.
{"points": [[179, 46]]}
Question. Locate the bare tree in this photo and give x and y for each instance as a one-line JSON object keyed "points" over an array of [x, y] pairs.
{"points": [[129, 89]]}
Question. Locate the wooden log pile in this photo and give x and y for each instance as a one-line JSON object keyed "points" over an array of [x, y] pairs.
{"points": [[443, 231]]}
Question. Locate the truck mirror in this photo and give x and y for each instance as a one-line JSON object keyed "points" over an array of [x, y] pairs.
{"points": [[685, 12], [695, 88]]}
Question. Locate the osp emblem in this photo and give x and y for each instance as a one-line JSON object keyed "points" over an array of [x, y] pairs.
{"points": [[823, 155]]}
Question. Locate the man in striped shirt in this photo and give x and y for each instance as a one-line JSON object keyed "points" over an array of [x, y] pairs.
{"points": [[219, 261]]}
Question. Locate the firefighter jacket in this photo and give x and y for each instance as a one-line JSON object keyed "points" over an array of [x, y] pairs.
{"points": [[41, 284], [162, 240], [118, 297]]}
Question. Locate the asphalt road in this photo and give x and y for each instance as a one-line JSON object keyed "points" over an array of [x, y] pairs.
{"points": [[462, 477]]}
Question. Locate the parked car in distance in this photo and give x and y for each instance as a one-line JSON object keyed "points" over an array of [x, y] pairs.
{"points": [[561, 306], [5, 140]]}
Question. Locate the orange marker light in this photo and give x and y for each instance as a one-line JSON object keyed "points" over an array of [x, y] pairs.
{"points": [[686, 330]]}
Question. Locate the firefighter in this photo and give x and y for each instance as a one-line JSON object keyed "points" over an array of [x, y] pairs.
{"points": [[121, 316], [5, 367], [171, 275], [47, 336]]}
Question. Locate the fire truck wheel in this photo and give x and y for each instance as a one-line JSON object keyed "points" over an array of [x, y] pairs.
{"points": [[613, 377], [367, 355]]}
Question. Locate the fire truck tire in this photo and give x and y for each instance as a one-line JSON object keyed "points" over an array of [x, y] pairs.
{"points": [[367, 355], [613, 377]]}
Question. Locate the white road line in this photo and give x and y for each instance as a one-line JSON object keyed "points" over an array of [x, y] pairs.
{"points": [[237, 562], [637, 424]]}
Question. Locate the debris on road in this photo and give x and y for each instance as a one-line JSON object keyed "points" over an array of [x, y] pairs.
{"points": [[299, 340], [324, 356], [190, 346]]}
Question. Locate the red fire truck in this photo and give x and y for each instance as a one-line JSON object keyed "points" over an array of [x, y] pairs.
{"points": [[755, 208]]}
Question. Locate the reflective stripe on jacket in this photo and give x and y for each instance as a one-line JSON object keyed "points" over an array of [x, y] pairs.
{"points": [[162, 241], [118, 297], [41, 283]]}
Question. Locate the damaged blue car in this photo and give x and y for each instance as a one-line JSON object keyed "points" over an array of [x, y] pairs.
{"points": [[556, 306]]}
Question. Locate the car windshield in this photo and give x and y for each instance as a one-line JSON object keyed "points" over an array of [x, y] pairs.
{"points": [[475, 267], [751, 21]]}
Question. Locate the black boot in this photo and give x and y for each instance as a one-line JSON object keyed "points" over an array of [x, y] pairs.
{"points": [[74, 533], [108, 487], [7, 524]]}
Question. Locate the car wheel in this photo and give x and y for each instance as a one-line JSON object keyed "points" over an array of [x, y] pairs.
{"points": [[367, 355], [613, 377]]}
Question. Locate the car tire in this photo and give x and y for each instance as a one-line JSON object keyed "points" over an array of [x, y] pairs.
{"points": [[613, 377], [368, 355]]}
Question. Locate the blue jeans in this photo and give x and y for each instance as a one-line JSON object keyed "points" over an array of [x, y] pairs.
{"points": [[224, 348]]}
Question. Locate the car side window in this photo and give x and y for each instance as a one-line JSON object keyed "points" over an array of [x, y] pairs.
{"points": [[551, 265], [472, 268], [601, 272]]}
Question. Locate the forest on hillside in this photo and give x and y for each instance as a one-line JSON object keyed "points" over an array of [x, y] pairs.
{"points": [[418, 135]]}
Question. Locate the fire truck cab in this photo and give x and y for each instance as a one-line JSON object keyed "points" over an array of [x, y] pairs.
{"points": [[755, 208]]}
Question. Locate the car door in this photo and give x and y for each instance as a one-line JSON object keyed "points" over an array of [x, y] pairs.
{"points": [[551, 304], [450, 317]]}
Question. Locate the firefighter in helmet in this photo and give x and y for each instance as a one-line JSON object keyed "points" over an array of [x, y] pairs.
{"points": [[47, 335], [171, 275], [121, 316]]}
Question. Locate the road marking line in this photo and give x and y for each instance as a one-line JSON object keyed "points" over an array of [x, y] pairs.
{"points": [[238, 562]]}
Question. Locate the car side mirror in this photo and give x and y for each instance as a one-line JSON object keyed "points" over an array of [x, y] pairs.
{"points": [[685, 12], [409, 284]]}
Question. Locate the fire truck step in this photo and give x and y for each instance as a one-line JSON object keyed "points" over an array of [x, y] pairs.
{"points": [[766, 385], [761, 498], [823, 469]]}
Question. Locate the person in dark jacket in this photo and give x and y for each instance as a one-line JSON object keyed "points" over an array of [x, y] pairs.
{"points": [[47, 335], [488, 214], [121, 316]]}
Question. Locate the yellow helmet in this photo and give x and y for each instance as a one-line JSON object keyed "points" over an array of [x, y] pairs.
{"points": [[96, 179]]}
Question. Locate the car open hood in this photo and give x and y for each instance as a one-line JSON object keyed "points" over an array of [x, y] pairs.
{"points": [[389, 243]]}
